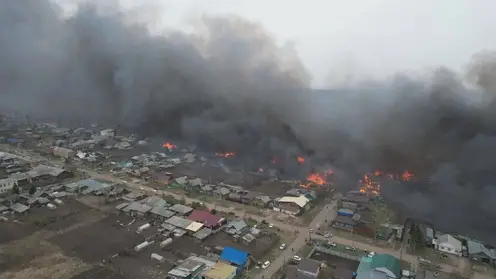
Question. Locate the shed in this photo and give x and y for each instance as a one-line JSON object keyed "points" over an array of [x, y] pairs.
{"points": [[345, 212], [178, 222], [203, 233], [19, 208], [181, 209], [194, 227]]}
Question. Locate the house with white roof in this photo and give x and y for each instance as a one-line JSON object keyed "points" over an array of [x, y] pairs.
{"points": [[292, 205]]}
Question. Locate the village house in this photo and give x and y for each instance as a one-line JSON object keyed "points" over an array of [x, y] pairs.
{"points": [[344, 222], [448, 244], [292, 205], [477, 251]]}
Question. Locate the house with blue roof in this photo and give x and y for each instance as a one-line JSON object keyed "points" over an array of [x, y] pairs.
{"points": [[234, 257]]}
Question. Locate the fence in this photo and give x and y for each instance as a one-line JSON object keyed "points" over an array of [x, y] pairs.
{"points": [[336, 253]]}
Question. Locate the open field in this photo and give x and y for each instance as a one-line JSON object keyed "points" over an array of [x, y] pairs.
{"points": [[33, 257], [99, 240], [100, 272]]}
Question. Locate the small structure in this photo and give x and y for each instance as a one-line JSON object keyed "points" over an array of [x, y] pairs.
{"points": [[235, 257], [220, 270], [181, 209], [63, 152], [477, 251], [379, 266], [136, 209], [19, 208], [178, 222], [237, 227], [107, 133], [190, 268], [202, 234], [309, 267], [448, 244]]}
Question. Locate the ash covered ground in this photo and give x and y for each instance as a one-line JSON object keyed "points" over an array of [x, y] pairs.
{"points": [[229, 87]]}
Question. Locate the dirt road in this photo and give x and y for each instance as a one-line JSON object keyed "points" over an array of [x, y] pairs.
{"points": [[327, 213]]}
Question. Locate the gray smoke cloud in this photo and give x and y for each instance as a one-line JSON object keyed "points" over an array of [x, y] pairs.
{"points": [[229, 87]]}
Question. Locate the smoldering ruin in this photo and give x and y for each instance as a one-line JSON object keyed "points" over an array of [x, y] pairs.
{"points": [[228, 86]]}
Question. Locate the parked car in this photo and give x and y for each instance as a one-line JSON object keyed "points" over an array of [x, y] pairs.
{"points": [[283, 246], [327, 235], [296, 258], [266, 264]]}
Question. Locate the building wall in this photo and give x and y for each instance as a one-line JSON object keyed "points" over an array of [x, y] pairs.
{"points": [[289, 208], [448, 248], [6, 186]]}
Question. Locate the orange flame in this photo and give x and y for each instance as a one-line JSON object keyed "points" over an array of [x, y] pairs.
{"points": [[168, 145], [370, 186], [226, 154], [300, 160], [316, 179]]}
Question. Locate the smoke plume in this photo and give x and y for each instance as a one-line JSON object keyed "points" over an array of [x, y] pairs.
{"points": [[228, 87]]}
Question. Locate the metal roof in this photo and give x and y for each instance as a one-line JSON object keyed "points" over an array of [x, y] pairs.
{"points": [[19, 208], [206, 218], [220, 271], [203, 233], [179, 208], [301, 201], [178, 222], [194, 226], [234, 256]]}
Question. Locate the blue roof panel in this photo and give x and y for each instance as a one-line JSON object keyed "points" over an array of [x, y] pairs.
{"points": [[234, 256]]}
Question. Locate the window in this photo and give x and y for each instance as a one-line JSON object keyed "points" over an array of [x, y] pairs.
{"points": [[449, 249]]}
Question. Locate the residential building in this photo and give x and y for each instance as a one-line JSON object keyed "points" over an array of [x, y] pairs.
{"points": [[380, 266], [448, 244], [344, 222], [181, 209], [189, 269], [477, 251], [234, 257], [220, 270], [292, 205], [237, 227], [6, 185], [208, 219], [63, 152]]}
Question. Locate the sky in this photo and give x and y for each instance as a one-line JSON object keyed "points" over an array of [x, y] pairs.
{"points": [[339, 41]]}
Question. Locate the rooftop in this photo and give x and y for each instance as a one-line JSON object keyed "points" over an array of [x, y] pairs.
{"points": [[182, 209], [220, 271], [301, 201], [234, 256], [206, 218]]}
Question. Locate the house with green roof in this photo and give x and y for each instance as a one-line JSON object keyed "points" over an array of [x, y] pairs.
{"points": [[380, 266]]}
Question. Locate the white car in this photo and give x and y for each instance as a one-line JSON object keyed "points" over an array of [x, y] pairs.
{"points": [[371, 254], [266, 264], [271, 225], [296, 258], [282, 246], [327, 235]]}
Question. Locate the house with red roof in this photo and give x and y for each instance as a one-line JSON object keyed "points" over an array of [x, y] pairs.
{"points": [[208, 219]]}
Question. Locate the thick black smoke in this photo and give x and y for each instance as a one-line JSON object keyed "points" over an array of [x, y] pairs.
{"points": [[229, 87]]}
